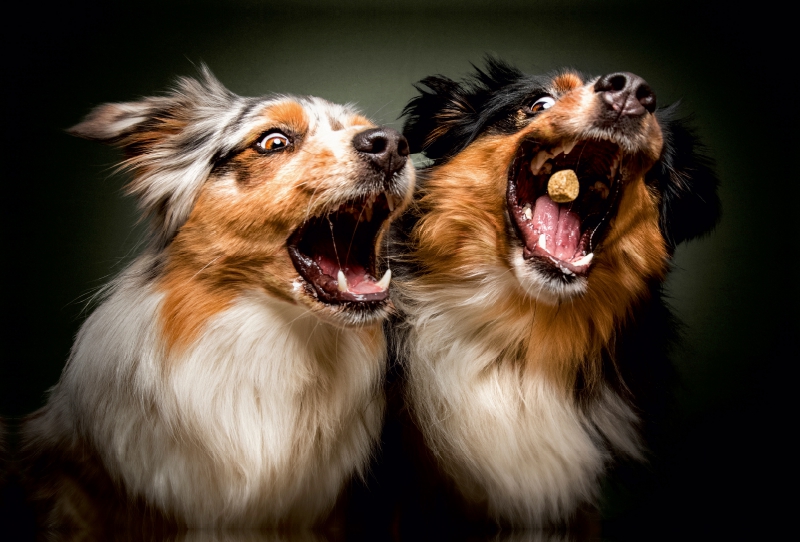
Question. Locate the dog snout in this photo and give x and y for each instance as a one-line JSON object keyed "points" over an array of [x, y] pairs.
{"points": [[626, 93], [385, 148]]}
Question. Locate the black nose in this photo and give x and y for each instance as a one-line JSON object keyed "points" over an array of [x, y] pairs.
{"points": [[626, 93], [386, 148]]}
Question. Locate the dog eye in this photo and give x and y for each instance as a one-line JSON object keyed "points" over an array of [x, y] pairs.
{"points": [[545, 102], [272, 142]]}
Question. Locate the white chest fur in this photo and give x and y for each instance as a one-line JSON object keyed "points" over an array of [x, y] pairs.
{"points": [[506, 436], [262, 420]]}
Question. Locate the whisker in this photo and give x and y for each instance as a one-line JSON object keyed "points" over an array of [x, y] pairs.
{"points": [[333, 240], [310, 202], [206, 265], [353, 237]]}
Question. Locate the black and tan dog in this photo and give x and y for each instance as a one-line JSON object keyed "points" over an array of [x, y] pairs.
{"points": [[529, 323]]}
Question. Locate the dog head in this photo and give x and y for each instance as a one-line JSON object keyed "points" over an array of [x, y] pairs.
{"points": [[289, 195], [643, 184]]}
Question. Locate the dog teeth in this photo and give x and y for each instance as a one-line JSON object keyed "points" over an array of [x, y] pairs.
{"points": [[542, 242], [368, 211], [383, 284], [558, 149], [527, 211], [568, 146], [342, 284], [615, 165], [389, 201], [584, 261], [538, 160]]}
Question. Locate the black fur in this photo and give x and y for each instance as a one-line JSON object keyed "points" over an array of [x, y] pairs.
{"points": [[486, 102], [685, 178]]}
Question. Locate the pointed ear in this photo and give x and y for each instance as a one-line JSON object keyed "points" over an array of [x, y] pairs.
{"points": [[685, 177], [170, 144]]}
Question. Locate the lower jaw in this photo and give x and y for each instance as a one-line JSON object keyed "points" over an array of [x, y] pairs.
{"points": [[348, 316], [548, 287], [539, 255]]}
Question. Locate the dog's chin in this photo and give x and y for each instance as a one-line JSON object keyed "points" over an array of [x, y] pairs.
{"points": [[344, 315], [545, 283]]}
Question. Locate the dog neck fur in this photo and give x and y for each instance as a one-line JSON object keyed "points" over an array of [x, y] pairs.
{"points": [[492, 369], [294, 409]]}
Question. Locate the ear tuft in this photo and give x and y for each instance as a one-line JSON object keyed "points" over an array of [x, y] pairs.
{"points": [[434, 113], [447, 115], [685, 176], [170, 144], [109, 123]]}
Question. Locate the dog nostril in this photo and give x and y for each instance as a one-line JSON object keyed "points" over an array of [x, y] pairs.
{"points": [[646, 97], [378, 144], [617, 82], [611, 83], [402, 146], [374, 141]]}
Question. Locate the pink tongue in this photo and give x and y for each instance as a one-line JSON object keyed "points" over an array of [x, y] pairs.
{"points": [[358, 281], [561, 227]]}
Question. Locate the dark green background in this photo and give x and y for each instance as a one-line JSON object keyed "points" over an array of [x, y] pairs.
{"points": [[67, 228]]}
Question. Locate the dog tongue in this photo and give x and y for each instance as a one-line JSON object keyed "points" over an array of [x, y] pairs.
{"points": [[561, 227]]}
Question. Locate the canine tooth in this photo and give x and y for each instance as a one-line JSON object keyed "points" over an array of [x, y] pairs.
{"points": [[342, 285], [584, 261], [540, 158], [527, 211], [368, 211], [389, 201], [383, 284], [555, 151], [569, 146], [542, 242]]}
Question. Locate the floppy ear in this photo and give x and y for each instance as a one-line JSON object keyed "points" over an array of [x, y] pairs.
{"points": [[437, 118], [685, 177], [170, 144], [447, 116]]}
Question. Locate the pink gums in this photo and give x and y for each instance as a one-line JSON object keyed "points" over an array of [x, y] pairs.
{"points": [[358, 280]]}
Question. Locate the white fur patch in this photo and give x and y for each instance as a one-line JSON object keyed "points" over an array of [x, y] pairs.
{"points": [[262, 421], [506, 435]]}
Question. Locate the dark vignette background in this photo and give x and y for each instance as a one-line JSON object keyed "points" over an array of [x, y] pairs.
{"points": [[67, 228]]}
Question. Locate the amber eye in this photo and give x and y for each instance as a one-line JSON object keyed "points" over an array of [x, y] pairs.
{"points": [[545, 102], [272, 142]]}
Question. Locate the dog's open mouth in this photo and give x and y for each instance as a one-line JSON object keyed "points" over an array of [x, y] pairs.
{"points": [[563, 236], [336, 252]]}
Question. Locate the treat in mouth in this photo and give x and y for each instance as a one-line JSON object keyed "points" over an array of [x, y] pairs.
{"points": [[563, 229], [336, 253]]}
